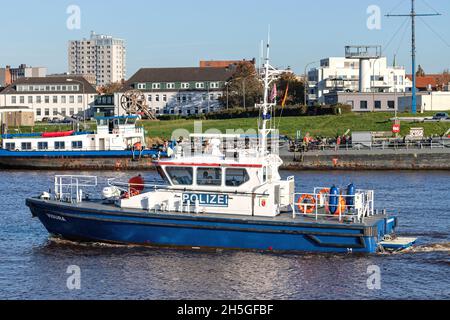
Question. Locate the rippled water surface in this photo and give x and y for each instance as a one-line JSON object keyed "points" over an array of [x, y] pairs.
{"points": [[32, 266]]}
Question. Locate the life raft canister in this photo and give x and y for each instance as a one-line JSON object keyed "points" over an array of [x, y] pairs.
{"points": [[135, 185], [333, 201]]}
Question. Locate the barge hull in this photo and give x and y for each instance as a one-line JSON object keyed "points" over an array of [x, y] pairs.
{"points": [[104, 224]]}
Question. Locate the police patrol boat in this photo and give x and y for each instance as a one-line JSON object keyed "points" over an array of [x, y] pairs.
{"points": [[118, 143], [220, 191]]}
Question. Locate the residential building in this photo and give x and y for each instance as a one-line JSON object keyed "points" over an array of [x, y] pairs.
{"points": [[341, 74], [179, 91], [50, 97], [8, 75], [101, 56]]}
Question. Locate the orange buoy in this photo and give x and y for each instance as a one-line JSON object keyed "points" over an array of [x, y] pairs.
{"points": [[304, 207]]}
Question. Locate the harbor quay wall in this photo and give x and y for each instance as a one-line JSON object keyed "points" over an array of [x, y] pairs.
{"points": [[368, 160]]}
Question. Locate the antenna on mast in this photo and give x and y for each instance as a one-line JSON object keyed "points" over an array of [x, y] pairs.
{"points": [[413, 16]]}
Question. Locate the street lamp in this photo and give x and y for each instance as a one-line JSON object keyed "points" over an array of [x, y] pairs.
{"points": [[306, 81]]}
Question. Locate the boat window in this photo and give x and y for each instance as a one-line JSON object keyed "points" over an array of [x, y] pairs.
{"points": [[26, 146], [236, 177], [77, 144], [10, 146], [59, 145], [180, 176], [209, 176], [42, 145]]}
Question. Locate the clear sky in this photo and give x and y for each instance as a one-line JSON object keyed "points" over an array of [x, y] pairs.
{"points": [[180, 33]]}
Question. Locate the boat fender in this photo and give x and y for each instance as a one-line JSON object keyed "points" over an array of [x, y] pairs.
{"points": [[340, 208], [351, 192], [333, 200]]}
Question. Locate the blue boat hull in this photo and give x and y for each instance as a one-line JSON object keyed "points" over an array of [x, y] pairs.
{"points": [[162, 230]]}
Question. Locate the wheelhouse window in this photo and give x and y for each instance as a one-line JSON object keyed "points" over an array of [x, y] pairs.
{"points": [[181, 176], [209, 176], [77, 144], [42, 145], [236, 177], [59, 145], [26, 146]]}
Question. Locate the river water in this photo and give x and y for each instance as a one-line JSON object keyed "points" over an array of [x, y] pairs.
{"points": [[32, 266]]}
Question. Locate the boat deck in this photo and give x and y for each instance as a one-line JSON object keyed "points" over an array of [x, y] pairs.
{"points": [[103, 207]]}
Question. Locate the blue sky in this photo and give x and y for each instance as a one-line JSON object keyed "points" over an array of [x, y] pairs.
{"points": [[180, 33]]}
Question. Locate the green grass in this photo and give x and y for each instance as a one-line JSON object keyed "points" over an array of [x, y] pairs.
{"points": [[327, 126]]}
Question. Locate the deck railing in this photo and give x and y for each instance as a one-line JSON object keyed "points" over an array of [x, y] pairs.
{"points": [[319, 206], [68, 188]]}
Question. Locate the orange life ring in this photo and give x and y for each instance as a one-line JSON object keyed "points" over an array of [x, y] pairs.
{"points": [[341, 207], [322, 192], [310, 208]]}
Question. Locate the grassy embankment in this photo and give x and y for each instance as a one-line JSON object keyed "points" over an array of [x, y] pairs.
{"points": [[327, 126]]}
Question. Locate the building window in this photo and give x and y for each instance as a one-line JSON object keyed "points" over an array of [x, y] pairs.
{"points": [[63, 112], [157, 98], [214, 85], [209, 176], [26, 146], [164, 97], [71, 111], [63, 99], [391, 104], [185, 85], [59, 145], [47, 99], [363, 105], [10, 146], [30, 99], [55, 99], [80, 99], [170, 86], [47, 111], [77, 144], [156, 86], [377, 104], [38, 112], [13, 100], [71, 99], [200, 85], [55, 112], [42, 145], [141, 86], [22, 99], [149, 98]]}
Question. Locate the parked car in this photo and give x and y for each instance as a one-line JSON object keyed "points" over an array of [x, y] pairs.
{"points": [[45, 119], [441, 116]]}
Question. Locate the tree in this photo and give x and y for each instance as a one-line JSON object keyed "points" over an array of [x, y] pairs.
{"points": [[420, 72], [296, 89], [443, 79], [244, 89], [111, 88]]}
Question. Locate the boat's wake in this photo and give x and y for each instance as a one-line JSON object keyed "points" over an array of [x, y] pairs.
{"points": [[65, 242], [427, 248]]}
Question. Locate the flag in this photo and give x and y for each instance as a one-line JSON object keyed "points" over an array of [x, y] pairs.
{"points": [[274, 93], [285, 96]]}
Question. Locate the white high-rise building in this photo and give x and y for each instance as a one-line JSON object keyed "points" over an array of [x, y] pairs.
{"points": [[102, 56], [340, 74]]}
